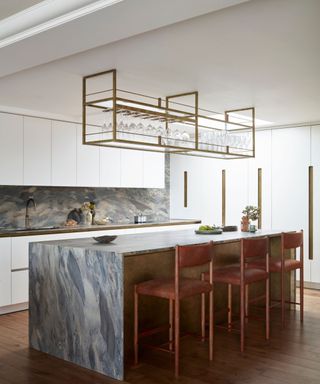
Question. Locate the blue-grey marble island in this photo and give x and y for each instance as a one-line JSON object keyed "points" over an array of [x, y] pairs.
{"points": [[81, 292]]}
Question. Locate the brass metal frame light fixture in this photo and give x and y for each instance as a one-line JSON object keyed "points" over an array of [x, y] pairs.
{"points": [[114, 117]]}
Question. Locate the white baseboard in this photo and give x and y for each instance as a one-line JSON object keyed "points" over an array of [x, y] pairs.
{"points": [[14, 308], [309, 285]]}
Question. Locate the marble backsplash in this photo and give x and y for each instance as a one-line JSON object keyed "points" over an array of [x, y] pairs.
{"points": [[54, 203]]}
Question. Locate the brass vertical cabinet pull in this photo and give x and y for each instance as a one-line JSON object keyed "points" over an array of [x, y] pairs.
{"points": [[310, 212], [185, 189], [223, 197], [260, 197]]}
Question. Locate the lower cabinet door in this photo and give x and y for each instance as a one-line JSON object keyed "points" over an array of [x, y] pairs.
{"points": [[20, 286], [5, 272]]}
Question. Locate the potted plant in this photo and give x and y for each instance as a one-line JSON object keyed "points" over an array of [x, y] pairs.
{"points": [[250, 213]]}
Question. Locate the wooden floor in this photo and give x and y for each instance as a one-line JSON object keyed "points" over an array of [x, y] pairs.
{"points": [[291, 357]]}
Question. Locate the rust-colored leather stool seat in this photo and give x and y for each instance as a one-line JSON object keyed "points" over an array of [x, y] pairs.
{"points": [[176, 289], [253, 252]]}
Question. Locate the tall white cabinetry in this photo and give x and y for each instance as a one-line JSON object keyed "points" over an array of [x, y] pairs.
{"points": [[11, 149], [203, 188], [262, 160], [290, 163], [315, 162], [37, 151], [236, 190]]}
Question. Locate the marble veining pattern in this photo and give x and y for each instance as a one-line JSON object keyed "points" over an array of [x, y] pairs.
{"points": [[54, 203], [76, 306]]}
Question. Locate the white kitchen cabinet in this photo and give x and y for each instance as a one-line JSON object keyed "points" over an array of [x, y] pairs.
{"points": [[20, 251], [110, 167], [203, 188], [262, 160], [290, 162], [315, 162], [5, 271], [153, 170], [131, 168], [37, 151], [20, 287], [88, 163], [64, 154], [11, 149], [237, 190]]}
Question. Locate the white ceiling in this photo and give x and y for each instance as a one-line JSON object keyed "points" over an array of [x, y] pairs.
{"points": [[10, 7], [260, 53], [87, 24]]}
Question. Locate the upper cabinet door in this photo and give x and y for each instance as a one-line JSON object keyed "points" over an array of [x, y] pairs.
{"points": [[64, 154], [11, 149], [131, 168], [110, 167], [88, 163], [153, 170], [37, 151]]}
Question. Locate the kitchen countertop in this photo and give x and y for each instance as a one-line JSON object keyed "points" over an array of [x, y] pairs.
{"points": [[15, 232], [133, 244]]}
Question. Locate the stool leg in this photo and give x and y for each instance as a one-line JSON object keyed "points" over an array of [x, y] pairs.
{"points": [[136, 346], [203, 313], [211, 320], [242, 316], [203, 317], [229, 307], [176, 336], [247, 300], [301, 294], [267, 309], [170, 324], [282, 300]]}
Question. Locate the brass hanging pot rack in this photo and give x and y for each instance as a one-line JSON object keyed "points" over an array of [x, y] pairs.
{"points": [[114, 117]]}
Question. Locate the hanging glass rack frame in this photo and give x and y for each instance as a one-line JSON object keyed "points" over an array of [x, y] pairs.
{"points": [[113, 117]]}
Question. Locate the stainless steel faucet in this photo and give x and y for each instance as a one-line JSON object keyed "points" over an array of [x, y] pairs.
{"points": [[27, 217]]}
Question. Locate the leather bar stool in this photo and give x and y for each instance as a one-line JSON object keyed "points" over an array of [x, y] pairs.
{"points": [[289, 241], [176, 289], [242, 275]]}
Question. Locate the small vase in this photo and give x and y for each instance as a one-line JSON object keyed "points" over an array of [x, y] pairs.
{"points": [[245, 224]]}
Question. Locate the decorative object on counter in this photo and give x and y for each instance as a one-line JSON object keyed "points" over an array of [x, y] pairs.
{"points": [[71, 223], [93, 211], [87, 215], [230, 228], [140, 218], [75, 215], [171, 124], [208, 230], [251, 213], [104, 239]]}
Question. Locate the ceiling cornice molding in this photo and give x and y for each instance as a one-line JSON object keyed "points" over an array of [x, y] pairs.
{"points": [[46, 15]]}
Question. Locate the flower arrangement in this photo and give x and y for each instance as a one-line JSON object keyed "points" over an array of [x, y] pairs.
{"points": [[251, 212]]}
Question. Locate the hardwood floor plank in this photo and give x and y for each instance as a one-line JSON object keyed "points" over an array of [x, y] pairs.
{"points": [[292, 356]]}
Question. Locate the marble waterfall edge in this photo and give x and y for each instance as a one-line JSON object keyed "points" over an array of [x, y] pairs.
{"points": [[76, 306]]}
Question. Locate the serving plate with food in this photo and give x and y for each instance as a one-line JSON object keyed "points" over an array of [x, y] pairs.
{"points": [[208, 230]]}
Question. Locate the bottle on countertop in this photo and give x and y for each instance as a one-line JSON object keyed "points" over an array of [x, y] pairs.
{"points": [[87, 215], [93, 211]]}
